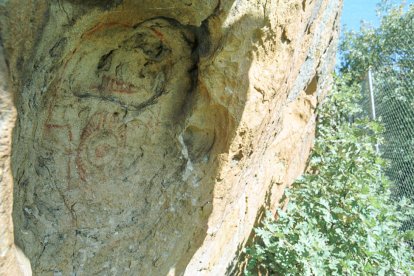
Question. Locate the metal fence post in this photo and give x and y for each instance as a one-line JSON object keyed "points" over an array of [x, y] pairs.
{"points": [[372, 101], [371, 96]]}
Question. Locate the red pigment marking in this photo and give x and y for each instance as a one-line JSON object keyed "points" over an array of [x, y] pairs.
{"points": [[157, 33], [81, 168], [68, 58], [102, 26], [68, 174], [87, 131], [112, 85], [54, 126], [97, 122], [117, 86], [101, 151], [88, 34]]}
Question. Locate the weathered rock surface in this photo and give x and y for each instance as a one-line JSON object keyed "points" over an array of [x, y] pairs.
{"points": [[149, 134]]}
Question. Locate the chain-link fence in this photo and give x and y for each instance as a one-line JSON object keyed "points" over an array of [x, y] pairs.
{"points": [[388, 96]]}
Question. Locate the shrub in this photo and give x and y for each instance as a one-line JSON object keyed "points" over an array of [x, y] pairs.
{"points": [[339, 219]]}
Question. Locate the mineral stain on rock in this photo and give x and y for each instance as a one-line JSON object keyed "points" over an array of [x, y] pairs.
{"points": [[145, 128]]}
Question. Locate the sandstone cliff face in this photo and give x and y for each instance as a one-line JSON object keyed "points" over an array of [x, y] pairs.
{"points": [[149, 134]]}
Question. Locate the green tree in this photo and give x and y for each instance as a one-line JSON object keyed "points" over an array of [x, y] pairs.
{"points": [[339, 220], [389, 51]]}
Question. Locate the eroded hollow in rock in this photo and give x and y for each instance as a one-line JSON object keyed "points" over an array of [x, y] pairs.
{"points": [[102, 188]]}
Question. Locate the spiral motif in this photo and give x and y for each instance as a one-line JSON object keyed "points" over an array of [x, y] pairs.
{"points": [[101, 142]]}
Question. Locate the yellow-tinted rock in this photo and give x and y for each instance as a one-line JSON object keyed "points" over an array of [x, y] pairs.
{"points": [[149, 134]]}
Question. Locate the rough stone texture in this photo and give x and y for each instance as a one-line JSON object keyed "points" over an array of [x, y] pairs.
{"points": [[150, 133]]}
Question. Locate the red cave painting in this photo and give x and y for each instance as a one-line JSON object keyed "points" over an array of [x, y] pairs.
{"points": [[100, 144]]}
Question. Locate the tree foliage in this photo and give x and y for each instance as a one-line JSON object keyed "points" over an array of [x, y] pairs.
{"points": [[339, 220], [390, 45], [389, 50]]}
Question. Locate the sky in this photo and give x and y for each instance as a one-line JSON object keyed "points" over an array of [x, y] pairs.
{"points": [[356, 10]]}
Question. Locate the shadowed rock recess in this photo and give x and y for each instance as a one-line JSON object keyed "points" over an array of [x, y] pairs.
{"points": [[144, 137]]}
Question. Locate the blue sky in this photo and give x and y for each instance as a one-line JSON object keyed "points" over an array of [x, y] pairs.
{"points": [[356, 10]]}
